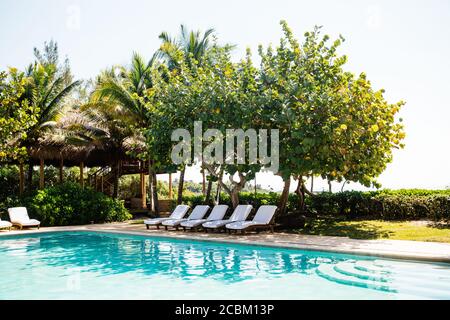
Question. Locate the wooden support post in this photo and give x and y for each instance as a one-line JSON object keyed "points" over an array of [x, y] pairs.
{"points": [[61, 168], [150, 186], [41, 173], [144, 192], [143, 188], [170, 186], [21, 178], [101, 182], [82, 174]]}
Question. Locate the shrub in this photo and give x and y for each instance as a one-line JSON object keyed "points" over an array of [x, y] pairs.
{"points": [[70, 204], [384, 204]]}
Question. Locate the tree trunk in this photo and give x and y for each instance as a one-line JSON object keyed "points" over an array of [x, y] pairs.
{"points": [[235, 188], [329, 187], [203, 182], [181, 185], [300, 191], [155, 193], [217, 198], [208, 192], [234, 197], [312, 183], [284, 196]]}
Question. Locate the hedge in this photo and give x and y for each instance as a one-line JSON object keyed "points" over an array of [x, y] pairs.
{"points": [[407, 204], [70, 204]]}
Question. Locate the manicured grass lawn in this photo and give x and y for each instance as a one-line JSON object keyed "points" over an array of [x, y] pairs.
{"points": [[376, 229], [372, 229]]}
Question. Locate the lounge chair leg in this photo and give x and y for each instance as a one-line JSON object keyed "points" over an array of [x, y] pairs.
{"points": [[157, 227], [148, 227]]}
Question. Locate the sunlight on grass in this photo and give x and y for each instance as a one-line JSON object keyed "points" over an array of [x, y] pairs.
{"points": [[376, 229], [138, 221]]}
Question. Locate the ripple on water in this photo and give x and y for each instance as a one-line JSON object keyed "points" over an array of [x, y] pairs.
{"points": [[92, 265]]}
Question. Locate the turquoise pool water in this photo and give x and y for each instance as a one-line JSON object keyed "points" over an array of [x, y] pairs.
{"points": [[89, 265]]}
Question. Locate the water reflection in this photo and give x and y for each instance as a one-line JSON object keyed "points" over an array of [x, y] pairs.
{"points": [[109, 254]]}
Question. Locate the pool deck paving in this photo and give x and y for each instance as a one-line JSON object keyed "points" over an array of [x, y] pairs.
{"points": [[398, 249]]}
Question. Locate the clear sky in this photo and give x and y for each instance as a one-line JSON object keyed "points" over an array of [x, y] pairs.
{"points": [[402, 45]]}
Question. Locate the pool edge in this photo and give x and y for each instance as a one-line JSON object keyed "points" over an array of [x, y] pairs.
{"points": [[419, 257]]}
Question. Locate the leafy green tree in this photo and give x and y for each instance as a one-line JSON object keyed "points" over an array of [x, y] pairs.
{"points": [[221, 94], [17, 115], [194, 47], [331, 124]]}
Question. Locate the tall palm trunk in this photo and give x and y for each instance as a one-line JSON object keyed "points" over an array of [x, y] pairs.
{"points": [[181, 185]]}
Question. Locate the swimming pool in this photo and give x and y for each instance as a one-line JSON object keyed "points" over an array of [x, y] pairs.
{"points": [[91, 265]]}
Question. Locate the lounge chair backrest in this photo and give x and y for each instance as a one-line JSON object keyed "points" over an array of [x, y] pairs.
{"points": [[198, 213], [241, 212], [265, 214], [179, 212], [218, 212], [18, 214]]}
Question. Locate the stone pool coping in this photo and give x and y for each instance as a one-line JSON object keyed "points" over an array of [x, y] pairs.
{"points": [[396, 249]]}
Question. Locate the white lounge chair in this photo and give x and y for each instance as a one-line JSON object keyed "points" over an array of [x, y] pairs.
{"points": [[240, 214], [217, 213], [179, 213], [197, 213], [19, 217], [263, 220], [5, 225]]}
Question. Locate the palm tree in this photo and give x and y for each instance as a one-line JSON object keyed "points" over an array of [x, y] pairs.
{"points": [[126, 88], [101, 126], [193, 44], [48, 86]]}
